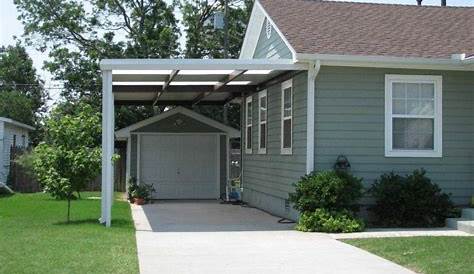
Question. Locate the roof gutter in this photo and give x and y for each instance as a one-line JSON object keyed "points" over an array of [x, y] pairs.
{"points": [[457, 62]]}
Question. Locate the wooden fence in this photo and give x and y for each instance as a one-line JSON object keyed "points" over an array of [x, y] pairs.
{"points": [[21, 180]]}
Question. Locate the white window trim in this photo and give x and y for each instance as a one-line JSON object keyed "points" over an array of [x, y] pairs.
{"points": [[285, 85], [247, 125], [437, 152], [262, 94]]}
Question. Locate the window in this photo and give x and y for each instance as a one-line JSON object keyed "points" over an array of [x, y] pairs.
{"points": [[286, 117], [248, 125], [413, 116], [23, 140], [14, 140], [262, 121]]}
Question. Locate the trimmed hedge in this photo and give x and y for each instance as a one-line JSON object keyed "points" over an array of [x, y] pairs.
{"points": [[322, 220]]}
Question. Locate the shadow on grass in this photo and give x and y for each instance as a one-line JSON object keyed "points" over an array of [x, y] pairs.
{"points": [[115, 222]]}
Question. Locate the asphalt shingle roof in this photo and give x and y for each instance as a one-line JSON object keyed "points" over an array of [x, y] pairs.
{"points": [[349, 28]]}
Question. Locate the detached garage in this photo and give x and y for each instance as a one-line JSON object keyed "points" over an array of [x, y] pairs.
{"points": [[185, 155]]}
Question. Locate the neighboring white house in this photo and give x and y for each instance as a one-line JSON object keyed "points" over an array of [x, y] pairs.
{"points": [[12, 133]]}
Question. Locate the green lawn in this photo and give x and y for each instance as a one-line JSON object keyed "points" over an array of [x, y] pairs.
{"points": [[424, 254], [35, 239]]}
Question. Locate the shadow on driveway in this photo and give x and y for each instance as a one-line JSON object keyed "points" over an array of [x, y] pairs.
{"points": [[203, 216]]}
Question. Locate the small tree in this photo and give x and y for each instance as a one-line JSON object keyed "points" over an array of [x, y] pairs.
{"points": [[70, 155]]}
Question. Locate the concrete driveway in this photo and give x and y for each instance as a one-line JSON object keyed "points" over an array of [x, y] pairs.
{"points": [[208, 237]]}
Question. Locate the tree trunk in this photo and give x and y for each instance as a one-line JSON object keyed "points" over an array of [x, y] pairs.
{"points": [[68, 208], [443, 3], [419, 2]]}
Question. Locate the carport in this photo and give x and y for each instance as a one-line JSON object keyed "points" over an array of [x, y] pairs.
{"points": [[184, 82]]}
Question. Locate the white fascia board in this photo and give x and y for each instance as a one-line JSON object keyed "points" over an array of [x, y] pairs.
{"points": [[254, 28], [386, 62], [16, 123], [200, 64], [232, 132]]}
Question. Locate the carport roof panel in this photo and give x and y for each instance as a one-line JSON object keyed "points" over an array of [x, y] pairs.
{"points": [[191, 80]]}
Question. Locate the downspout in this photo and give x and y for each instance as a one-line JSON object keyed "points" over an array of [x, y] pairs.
{"points": [[313, 71]]}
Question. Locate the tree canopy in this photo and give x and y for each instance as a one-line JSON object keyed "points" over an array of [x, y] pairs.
{"points": [[22, 96], [77, 34]]}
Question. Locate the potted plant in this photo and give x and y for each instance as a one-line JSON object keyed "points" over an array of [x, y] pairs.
{"points": [[142, 193], [132, 186]]}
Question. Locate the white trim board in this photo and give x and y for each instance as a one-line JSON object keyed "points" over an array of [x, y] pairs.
{"points": [[285, 85], [16, 123], [125, 132]]}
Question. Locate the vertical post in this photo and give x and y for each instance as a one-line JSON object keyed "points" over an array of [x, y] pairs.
{"points": [[107, 147], [313, 71]]}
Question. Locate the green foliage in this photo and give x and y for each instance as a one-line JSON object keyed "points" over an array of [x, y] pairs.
{"points": [[202, 40], [22, 96], [327, 201], [143, 191], [409, 201], [323, 220], [78, 34], [70, 156], [331, 190], [132, 186], [16, 106]]}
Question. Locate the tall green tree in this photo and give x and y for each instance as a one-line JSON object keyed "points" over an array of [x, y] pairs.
{"points": [[79, 33], [203, 40], [22, 96], [70, 155]]}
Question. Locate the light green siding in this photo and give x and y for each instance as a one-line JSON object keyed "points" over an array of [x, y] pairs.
{"points": [[350, 120], [268, 178], [271, 48]]}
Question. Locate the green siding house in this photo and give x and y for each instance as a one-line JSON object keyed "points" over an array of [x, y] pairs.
{"points": [[390, 87], [394, 91]]}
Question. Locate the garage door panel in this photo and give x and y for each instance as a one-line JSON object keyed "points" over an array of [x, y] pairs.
{"points": [[180, 166]]}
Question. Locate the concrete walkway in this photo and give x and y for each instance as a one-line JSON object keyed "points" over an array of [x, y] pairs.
{"points": [[208, 237]]}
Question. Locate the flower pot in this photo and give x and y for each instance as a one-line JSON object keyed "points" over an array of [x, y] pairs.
{"points": [[132, 200], [139, 201]]}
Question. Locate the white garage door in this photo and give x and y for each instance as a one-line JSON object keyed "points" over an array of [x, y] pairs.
{"points": [[180, 166]]}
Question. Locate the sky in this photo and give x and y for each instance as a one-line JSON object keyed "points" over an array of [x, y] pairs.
{"points": [[11, 27]]}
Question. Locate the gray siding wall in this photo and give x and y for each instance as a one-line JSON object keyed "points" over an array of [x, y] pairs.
{"points": [[350, 120], [7, 134], [268, 178], [271, 48]]}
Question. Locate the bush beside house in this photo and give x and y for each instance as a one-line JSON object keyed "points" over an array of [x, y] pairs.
{"points": [[409, 201], [327, 201]]}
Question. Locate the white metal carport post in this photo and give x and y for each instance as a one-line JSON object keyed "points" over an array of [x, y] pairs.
{"points": [[108, 121]]}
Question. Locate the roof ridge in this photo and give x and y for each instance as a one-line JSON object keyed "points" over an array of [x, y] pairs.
{"points": [[388, 4]]}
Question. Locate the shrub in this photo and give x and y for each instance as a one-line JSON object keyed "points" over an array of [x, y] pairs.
{"points": [[143, 191], [409, 201], [331, 190], [323, 220]]}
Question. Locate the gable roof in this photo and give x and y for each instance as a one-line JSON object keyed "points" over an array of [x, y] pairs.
{"points": [[367, 29], [125, 132], [16, 123]]}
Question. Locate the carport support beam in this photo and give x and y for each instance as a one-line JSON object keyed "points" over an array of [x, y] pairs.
{"points": [[107, 148]]}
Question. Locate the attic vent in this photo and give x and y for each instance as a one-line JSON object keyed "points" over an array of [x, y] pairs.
{"points": [[268, 28]]}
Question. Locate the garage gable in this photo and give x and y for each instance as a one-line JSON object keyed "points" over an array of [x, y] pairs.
{"points": [[178, 120], [178, 123]]}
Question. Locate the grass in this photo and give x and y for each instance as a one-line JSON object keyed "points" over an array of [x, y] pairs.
{"points": [[429, 255], [36, 239]]}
